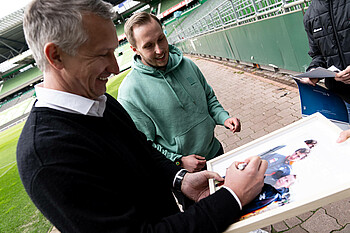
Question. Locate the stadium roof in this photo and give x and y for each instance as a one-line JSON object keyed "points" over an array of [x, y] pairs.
{"points": [[12, 41]]}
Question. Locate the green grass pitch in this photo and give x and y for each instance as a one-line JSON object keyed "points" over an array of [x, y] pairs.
{"points": [[17, 213]]}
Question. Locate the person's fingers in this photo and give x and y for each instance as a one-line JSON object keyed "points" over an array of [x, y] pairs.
{"points": [[342, 73], [200, 157], [343, 136], [263, 166], [237, 125], [232, 125], [307, 81], [237, 163], [343, 78], [253, 161], [213, 175], [312, 83]]}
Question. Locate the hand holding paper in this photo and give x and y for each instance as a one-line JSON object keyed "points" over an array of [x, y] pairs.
{"points": [[314, 75], [344, 76], [319, 72], [310, 81]]}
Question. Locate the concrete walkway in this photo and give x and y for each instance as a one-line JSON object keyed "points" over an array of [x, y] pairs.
{"points": [[263, 106], [265, 103]]}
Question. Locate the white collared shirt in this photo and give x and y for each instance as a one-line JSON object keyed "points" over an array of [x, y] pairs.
{"points": [[68, 102]]}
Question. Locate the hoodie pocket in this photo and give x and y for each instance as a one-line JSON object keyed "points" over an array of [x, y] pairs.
{"points": [[198, 139]]}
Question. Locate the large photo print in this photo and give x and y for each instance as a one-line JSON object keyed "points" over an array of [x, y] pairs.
{"points": [[306, 169]]}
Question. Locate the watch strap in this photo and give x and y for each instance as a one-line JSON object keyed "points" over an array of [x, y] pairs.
{"points": [[178, 179]]}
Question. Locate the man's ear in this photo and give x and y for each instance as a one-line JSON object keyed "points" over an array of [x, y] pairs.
{"points": [[53, 55], [134, 49]]}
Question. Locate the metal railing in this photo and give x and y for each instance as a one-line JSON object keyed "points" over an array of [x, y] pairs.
{"points": [[232, 13]]}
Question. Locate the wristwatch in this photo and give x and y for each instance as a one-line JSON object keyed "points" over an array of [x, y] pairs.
{"points": [[178, 179], [178, 162]]}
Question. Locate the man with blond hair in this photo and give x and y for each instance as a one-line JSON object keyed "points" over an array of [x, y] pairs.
{"points": [[169, 99]]}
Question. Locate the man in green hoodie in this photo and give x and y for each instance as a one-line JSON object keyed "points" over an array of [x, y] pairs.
{"points": [[169, 99]]}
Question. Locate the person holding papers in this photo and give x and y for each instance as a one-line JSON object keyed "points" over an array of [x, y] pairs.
{"points": [[328, 31]]}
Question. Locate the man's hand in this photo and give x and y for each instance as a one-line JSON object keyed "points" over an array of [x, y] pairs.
{"points": [[344, 136], [343, 76], [233, 124], [193, 163], [310, 81], [246, 183], [196, 186]]}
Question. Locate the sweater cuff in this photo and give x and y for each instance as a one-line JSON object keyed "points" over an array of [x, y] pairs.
{"points": [[223, 116], [170, 155], [234, 195], [224, 208]]}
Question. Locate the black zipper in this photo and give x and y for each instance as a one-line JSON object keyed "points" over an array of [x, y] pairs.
{"points": [[340, 51]]}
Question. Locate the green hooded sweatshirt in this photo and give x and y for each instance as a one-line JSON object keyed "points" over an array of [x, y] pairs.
{"points": [[175, 108]]}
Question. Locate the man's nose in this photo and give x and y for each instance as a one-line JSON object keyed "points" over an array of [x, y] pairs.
{"points": [[113, 66], [158, 49]]}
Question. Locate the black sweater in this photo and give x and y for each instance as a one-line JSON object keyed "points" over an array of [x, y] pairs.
{"points": [[91, 174]]}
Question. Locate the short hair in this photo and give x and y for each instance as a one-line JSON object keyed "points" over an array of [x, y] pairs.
{"points": [[303, 150], [138, 19], [311, 141], [60, 22]]}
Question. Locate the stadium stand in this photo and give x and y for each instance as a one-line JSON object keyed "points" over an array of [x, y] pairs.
{"points": [[199, 12], [216, 15], [20, 98], [155, 7], [15, 113], [124, 56], [120, 28], [20, 81], [165, 5], [173, 23]]}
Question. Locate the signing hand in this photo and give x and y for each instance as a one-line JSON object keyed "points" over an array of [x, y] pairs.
{"points": [[193, 163], [246, 183], [233, 124]]}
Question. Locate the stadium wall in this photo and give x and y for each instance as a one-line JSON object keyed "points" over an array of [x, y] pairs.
{"points": [[279, 41]]}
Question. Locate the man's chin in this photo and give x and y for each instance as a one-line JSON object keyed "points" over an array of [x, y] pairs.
{"points": [[162, 64], [161, 67], [158, 65]]}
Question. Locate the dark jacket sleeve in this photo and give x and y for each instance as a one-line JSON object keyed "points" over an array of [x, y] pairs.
{"points": [[315, 53], [76, 201], [164, 165]]}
